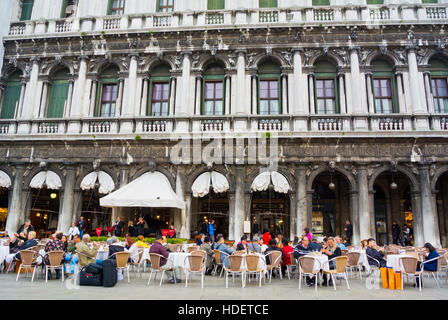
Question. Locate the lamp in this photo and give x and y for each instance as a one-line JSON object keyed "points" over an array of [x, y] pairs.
{"points": [[53, 196]]}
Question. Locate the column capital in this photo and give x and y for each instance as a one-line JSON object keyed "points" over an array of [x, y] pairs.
{"points": [[241, 52], [412, 48], [83, 57], [297, 50], [35, 60], [134, 55], [186, 53], [356, 49]]}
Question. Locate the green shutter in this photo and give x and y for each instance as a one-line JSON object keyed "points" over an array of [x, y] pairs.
{"points": [[27, 9], [321, 2], [430, 1], [63, 8], [375, 1], [12, 96], [267, 4], [58, 97], [109, 7], [216, 4]]}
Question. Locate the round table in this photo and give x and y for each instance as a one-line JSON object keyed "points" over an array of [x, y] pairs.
{"points": [[320, 262], [363, 258], [393, 261], [102, 255], [4, 252], [177, 258], [261, 262]]}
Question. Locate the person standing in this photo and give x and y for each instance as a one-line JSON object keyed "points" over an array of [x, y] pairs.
{"points": [[82, 226], [348, 230], [140, 227], [131, 229], [211, 230], [396, 233], [171, 232], [407, 235], [118, 225], [266, 237], [308, 233]]}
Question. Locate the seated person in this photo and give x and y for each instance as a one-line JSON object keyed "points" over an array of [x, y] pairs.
{"points": [[430, 266], [255, 245], [159, 249], [316, 245], [141, 243], [207, 247], [55, 244], [71, 253], [332, 251], [134, 255], [372, 252], [222, 247], [200, 240], [21, 245], [339, 243], [87, 255], [114, 247], [304, 248], [286, 258], [242, 246], [271, 247], [24, 229]]}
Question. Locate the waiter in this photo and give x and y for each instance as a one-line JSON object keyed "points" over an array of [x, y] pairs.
{"points": [[118, 225]]}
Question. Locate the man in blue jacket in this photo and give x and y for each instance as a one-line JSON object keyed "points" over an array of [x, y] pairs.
{"points": [[211, 230]]}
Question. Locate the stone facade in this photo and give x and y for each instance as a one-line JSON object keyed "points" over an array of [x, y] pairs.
{"points": [[362, 149]]}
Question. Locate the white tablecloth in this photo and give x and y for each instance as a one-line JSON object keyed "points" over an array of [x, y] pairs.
{"points": [[102, 255], [177, 258], [319, 262], [4, 252], [393, 261], [261, 262]]}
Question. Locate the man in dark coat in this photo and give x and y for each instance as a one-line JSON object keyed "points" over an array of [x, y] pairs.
{"points": [[24, 229], [118, 225], [396, 233], [348, 230]]}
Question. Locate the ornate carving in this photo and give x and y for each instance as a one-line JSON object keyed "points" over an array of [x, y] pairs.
{"points": [[232, 59], [421, 54], [342, 53], [250, 59], [353, 36], [287, 56], [195, 60], [401, 55], [383, 49], [178, 61]]}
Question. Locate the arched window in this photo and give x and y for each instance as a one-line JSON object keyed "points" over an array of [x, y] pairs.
{"points": [[11, 96], [68, 8], [269, 84], [216, 4], [165, 5], [107, 92], [326, 93], [384, 87], [439, 84], [267, 4], [159, 93], [115, 7], [213, 101], [27, 9], [58, 94]]}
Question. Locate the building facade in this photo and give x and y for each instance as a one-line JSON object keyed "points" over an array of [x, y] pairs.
{"points": [[354, 97]]}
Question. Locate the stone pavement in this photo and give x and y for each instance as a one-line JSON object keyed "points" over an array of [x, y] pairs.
{"points": [[214, 288]]}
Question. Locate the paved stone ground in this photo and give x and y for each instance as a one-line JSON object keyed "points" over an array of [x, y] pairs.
{"points": [[214, 288]]}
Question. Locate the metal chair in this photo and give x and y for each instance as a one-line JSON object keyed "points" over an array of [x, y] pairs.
{"points": [[435, 274], [235, 267], [252, 262], [196, 264], [27, 263], [408, 267], [156, 268], [274, 263], [220, 256], [292, 264], [55, 258], [353, 262], [191, 249], [341, 269], [138, 263], [306, 269], [123, 261]]}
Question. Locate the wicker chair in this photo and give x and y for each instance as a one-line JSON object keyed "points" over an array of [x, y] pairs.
{"points": [[235, 267], [354, 262], [27, 263], [252, 262], [196, 265], [138, 263], [275, 257], [292, 264], [240, 253], [435, 274], [306, 268], [122, 262], [201, 253], [55, 258], [341, 269], [344, 252], [156, 268], [191, 249], [219, 256], [408, 267]]}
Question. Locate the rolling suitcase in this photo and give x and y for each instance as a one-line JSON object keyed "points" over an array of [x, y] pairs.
{"points": [[90, 279], [109, 273]]}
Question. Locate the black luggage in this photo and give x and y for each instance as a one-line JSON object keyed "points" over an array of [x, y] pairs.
{"points": [[93, 268], [90, 279], [109, 273]]}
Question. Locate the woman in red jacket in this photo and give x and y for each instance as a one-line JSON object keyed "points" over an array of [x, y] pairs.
{"points": [[286, 257]]}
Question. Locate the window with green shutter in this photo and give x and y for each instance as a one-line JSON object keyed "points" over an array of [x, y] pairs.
{"points": [[267, 4], [216, 4], [384, 87], [430, 1], [375, 1], [107, 93], [213, 91], [58, 95], [164, 5], [321, 2], [159, 92], [439, 84], [27, 9], [11, 96], [68, 8], [269, 89], [326, 88]]}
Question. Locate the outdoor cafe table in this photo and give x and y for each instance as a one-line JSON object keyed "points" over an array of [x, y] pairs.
{"points": [[178, 259], [4, 252], [261, 262], [393, 261], [319, 261], [363, 258]]}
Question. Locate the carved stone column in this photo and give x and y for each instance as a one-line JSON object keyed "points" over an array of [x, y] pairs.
{"points": [[15, 207]]}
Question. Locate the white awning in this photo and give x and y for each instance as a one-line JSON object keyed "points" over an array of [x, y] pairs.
{"points": [[264, 179], [5, 180], [152, 190], [202, 184], [47, 179], [105, 181]]}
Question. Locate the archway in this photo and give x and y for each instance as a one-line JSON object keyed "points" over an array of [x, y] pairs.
{"points": [[392, 202], [442, 207], [331, 204], [5, 183]]}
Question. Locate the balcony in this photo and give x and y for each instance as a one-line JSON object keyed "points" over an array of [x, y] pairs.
{"points": [[294, 16]]}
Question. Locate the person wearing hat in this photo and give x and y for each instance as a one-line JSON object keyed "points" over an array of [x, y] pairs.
{"points": [[165, 264]]}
